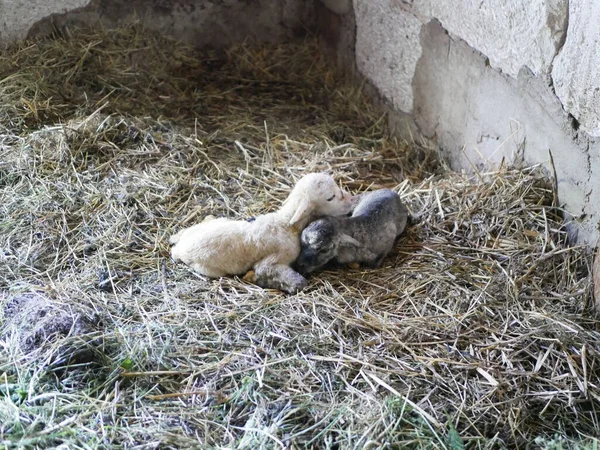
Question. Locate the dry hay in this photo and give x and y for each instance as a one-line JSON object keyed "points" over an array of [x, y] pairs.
{"points": [[475, 332]]}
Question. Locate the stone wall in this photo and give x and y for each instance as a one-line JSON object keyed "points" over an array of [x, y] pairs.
{"points": [[214, 23], [485, 80]]}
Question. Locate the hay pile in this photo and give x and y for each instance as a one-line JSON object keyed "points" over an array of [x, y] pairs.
{"points": [[474, 333]]}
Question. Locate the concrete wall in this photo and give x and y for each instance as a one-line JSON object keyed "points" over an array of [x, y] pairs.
{"points": [[484, 81], [214, 23]]}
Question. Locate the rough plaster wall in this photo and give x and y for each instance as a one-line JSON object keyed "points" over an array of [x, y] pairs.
{"points": [[511, 33], [387, 48], [215, 23], [576, 72], [493, 116], [487, 84], [16, 17]]}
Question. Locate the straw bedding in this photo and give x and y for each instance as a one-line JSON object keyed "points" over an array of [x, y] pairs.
{"points": [[475, 333]]}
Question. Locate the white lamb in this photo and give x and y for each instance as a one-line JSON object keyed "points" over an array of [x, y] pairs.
{"points": [[269, 244]]}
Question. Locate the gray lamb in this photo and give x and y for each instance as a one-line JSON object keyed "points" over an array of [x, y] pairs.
{"points": [[366, 237]]}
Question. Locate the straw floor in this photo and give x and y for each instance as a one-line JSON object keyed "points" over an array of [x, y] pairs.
{"points": [[475, 333]]}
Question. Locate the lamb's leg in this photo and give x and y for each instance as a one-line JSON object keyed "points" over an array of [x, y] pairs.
{"points": [[277, 276], [354, 259], [208, 271], [373, 264]]}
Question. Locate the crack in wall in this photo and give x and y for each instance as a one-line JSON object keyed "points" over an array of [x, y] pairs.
{"points": [[589, 162]]}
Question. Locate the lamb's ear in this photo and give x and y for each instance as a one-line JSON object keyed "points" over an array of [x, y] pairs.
{"points": [[348, 240], [302, 211]]}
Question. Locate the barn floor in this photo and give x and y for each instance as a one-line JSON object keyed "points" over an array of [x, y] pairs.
{"points": [[475, 333]]}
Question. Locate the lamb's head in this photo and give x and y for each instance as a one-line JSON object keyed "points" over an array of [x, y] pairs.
{"points": [[318, 246], [317, 194]]}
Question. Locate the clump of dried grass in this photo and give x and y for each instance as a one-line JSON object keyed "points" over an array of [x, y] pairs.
{"points": [[474, 332]]}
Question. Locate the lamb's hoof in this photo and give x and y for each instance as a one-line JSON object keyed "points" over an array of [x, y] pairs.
{"points": [[250, 277], [209, 218], [296, 286], [294, 289], [354, 265]]}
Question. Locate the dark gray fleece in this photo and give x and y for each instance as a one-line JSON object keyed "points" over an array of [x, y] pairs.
{"points": [[366, 237]]}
